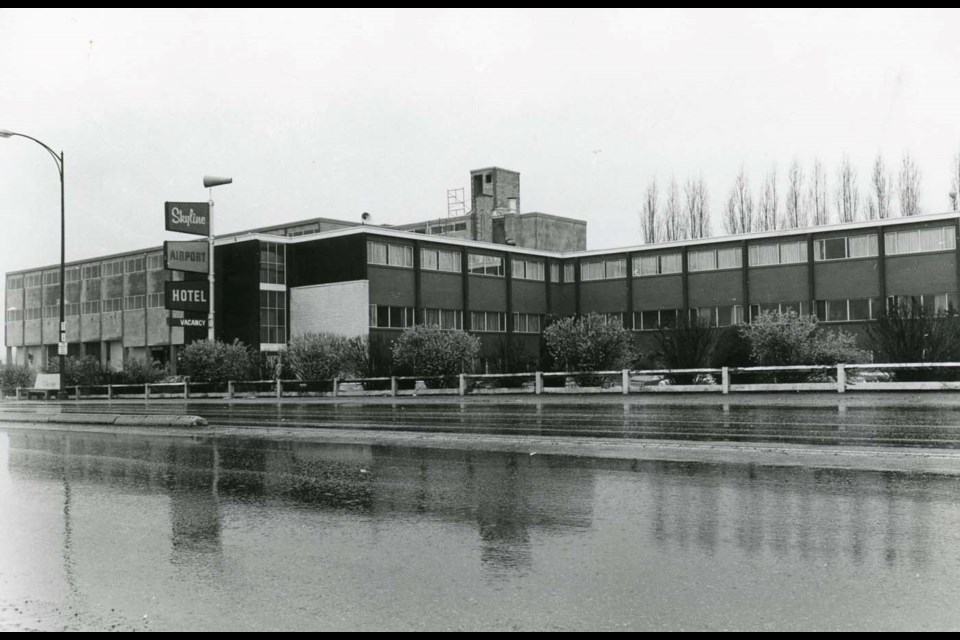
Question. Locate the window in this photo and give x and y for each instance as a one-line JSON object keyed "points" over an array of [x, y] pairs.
{"points": [[303, 230], [90, 308], [569, 272], [71, 309], [32, 280], [14, 282], [443, 318], [154, 261], [488, 178], [112, 304], [554, 273], [657, 265], [440, 260], [273, 317], [14, 315], [800, 308], [718, 316], [713, 259], [72, 274], [528, 269], [849, 247], [526, 322], [91, 272], [51, 278], [603, 269], [133, 265], [484, 265], [919, 241], [762, 255], [844, 310], [653, 320], [51, 311], [489, 321], [112, 268], [272, 263], [930, 303], [385, 317], [155, 301], [134, 302], [32, 313], [394, 255]]}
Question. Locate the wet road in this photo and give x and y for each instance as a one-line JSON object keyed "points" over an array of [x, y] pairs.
{"points": [[115, 531], [836, 423]]}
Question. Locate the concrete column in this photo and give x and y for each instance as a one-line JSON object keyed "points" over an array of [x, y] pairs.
{"points": [[109, 392], [146, 391], [186, 389], [625, 376], [726, 380], [279, 388], [538, 383], [230, 389], [336, 386], [841, 378], [463, 385], [393, 385]]}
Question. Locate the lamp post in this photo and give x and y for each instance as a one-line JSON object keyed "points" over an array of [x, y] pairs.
{"points": [[210, 182], [61, 343]]}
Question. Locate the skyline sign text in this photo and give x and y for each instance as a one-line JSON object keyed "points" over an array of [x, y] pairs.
{"points": [[187, 217]]}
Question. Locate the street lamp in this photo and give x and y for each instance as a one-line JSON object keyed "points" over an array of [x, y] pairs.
{"points": [[62, 343], [210, 182]]}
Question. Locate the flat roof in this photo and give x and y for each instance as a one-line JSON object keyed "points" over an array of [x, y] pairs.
{"points": [[389, 232]]}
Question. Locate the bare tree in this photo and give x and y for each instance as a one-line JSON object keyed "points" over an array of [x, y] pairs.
{"points": [[878, 205], [674, 227], [819, 206], [909, 187], [795, 214], [698, 208], [848, 195], [738, 218], [767, 213], [650, 216], [955, 183]]}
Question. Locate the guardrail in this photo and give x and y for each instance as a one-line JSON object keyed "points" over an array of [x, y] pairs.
{"points": [[840, 378]]}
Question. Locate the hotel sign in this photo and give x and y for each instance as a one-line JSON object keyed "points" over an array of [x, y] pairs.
{"points": [[187, 256], [187, 217], [187, 296]]}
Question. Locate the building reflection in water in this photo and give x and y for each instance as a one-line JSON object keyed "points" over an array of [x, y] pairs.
{"points": [[509, 500]]}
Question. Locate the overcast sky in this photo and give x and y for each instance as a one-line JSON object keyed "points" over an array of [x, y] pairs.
{"points": [[333, 113]]}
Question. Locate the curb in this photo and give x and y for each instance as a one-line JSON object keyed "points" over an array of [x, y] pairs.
{"points": [[115, 419]]}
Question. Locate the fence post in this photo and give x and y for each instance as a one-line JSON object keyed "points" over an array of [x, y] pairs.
{"points": [[76, 390], [336, 385], [109, 392], [625, 376], [725, 378], [538, 383], [18, 393], [279, 389], [463, 384], [146, 390], [841, 378], [393, 385], [229, 389], [186, 389]]}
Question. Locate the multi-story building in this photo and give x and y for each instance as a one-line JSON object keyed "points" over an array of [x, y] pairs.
{"points": [[499, 276]]}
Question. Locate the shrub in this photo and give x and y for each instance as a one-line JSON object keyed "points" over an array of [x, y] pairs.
{"points": [[323, 356], [689, 345], [13, 376], [206, 361], [85, 370], [785, 339], [139, 371], [915, 335], [431, 351], [588, 343]]}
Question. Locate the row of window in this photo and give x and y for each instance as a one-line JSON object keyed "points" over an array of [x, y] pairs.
{"points": [[273, 317], [389, 317], [152, 262]]}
